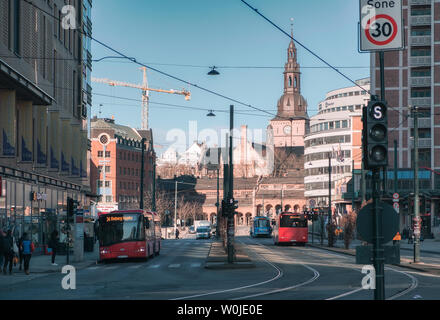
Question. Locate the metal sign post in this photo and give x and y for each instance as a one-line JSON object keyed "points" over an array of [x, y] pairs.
{"points": [[381, 30]]}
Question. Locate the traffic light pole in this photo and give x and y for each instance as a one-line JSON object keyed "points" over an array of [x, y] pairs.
{"points": [[416, 188], [378, 251]]}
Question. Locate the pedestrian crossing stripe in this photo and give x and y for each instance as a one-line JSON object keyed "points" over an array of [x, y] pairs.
{"points": [[174, 266]]}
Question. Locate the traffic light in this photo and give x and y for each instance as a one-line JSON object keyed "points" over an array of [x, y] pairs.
{"points": [[375, 135], [72, 206]]}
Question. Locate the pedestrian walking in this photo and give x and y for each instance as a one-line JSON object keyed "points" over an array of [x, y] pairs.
{"points": [[8, 249], [28, 249], [20, 253], [53, 244], [177, 233]]}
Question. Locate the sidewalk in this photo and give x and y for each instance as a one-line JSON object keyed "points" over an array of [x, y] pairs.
{"points": [[428, 246], [40, 264]]}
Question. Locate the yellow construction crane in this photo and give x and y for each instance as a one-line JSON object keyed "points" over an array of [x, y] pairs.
{"points": [[145, 93]]}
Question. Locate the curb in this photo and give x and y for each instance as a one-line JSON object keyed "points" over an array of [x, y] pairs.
{"points": [[242, 260], [433, 270], [60, 268]]}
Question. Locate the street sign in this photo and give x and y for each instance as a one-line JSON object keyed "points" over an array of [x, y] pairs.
{"points": [[396, 197], [365, 226], [396, 206], [381, 25]]}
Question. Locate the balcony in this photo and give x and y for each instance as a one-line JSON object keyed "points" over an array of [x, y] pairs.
{"points": [[421, 81], [423, 61], [420, 102], [419, 2], [421, 20], [423, 143], [423, 123], [420, 40]]}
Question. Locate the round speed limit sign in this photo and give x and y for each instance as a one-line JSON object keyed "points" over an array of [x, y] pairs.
{"points": [[381, 25], [381, 30]]}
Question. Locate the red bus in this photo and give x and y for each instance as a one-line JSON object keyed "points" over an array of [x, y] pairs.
{"points": [[129, 234], [290, 228]]}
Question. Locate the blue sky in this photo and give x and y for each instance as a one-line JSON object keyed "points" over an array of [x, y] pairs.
{"points": [[220, 33]]}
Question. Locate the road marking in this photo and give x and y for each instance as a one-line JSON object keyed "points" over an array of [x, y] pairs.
{"points": [[196, 265], [174, 266], [135, 267], [280, 274], [155, 266], [93, 268], [111, 268]]}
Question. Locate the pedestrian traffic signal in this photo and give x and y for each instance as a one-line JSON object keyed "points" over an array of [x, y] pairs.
{"points": [[375, 135]]}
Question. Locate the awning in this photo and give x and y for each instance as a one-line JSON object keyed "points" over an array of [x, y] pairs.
{"points": [[26, 90]]}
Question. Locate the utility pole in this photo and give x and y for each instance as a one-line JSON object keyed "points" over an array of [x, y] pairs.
{"points": [[141, 206], [153, 196], [329, 188], [217, 229], [231, 214], [175, 207], [352, 189], [395, 174], [416, 188]]}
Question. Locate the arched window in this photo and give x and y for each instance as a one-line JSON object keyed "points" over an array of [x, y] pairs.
{"points": [[290, 81], [296, 82]]}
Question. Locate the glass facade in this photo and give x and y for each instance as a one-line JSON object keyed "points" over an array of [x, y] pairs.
{"points": [[36, 210]]}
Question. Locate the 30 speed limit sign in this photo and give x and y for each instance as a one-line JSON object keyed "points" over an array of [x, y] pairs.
{"points": [[381, 26]]}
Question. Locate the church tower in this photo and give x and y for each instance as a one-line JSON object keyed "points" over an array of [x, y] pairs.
{"points": [[291, 123]]}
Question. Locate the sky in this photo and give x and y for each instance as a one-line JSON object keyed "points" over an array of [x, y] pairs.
{"points": [[185, 38]]}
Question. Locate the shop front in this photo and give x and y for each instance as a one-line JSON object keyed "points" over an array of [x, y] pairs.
{"points": [[37, 210]]}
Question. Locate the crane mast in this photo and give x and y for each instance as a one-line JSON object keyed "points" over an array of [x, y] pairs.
{"points": [[145, 93]]}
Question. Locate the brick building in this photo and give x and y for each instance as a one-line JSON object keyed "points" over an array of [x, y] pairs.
{"points": [[116, 164]]}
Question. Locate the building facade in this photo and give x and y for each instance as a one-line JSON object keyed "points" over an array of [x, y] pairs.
{"points": [[335, 132], [43, 115], [116, 164], [412, 79]]}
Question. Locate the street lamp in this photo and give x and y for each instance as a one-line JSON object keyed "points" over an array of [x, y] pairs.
{"points": [[213, 72], [211, 114]]}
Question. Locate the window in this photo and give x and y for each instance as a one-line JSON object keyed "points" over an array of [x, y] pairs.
{"points": [[16, 26], [421, 31], [99, 184], [108, 199], [421, 52], [421, 93], [107, 169], [100, 154], [421, 11], [107, 154], [99, 169], [421, 72], [108, 184], [345, 124]]}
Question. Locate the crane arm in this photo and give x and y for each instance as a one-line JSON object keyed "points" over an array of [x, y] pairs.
{"points": [[114, 83]]}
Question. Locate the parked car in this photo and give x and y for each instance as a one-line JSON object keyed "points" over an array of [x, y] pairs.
{"points": [[192, 230]]}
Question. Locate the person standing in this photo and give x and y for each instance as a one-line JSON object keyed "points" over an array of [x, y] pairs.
{"points": [[8, 243], [28, 249], [53, 244], [177, 233]]}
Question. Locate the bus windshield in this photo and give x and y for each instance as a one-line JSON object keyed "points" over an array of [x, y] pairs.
{"points": [[262, 223], [116, 228], [291, 221], [202, 230]]}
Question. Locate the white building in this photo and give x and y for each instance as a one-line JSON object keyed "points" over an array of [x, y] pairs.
{"points": [[335, 130], [191, 156]]}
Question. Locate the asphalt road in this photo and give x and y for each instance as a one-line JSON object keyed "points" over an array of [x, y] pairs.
{"points": [[281, 273]]}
